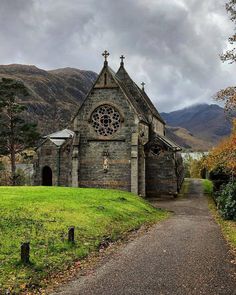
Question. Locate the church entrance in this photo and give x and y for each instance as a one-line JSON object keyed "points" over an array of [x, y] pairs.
{"points": [[47, 176]]}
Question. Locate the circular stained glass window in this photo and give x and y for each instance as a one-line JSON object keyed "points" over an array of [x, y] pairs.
{"points": [[106, 120]]}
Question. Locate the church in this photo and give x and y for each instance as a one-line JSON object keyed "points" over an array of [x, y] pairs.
{"points": [[115, 140]]}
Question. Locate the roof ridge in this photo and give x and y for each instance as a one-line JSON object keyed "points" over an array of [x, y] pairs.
{"points": [[146, 100]]}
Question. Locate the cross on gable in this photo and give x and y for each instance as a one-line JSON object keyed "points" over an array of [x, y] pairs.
{"points": [[105, 54], [122, 58], [143, 84]]}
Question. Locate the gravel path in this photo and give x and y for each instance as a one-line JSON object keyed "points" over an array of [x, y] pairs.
{"points": [[185, 254]]}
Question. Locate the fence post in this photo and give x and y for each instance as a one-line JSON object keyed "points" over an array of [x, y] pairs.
{"points": [[71, 234], [25, 253]]}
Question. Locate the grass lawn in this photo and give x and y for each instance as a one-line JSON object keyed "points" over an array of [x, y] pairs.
{"points": [[42, 215], [228, 227]]}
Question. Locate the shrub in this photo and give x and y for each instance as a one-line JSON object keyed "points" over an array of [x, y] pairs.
{"points": [[226, 201], [219, 177]]}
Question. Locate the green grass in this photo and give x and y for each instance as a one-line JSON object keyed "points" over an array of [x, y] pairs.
{"points": [[185, 188], [207, 186], [42, 215], [228, 227]]}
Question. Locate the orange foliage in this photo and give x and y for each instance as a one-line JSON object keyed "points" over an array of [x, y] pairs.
{"points": [[228, 96], [224, 154]]}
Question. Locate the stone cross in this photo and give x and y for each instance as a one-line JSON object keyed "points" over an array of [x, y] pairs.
{"points": [[105, 54], [122, 60], [143, 84]]}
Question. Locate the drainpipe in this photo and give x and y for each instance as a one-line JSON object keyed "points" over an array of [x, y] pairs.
{"points": [[58, 165]]}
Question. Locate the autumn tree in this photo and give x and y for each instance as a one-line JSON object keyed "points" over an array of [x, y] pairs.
{"points": [[228, 95], [15, 134], [224, 154]]}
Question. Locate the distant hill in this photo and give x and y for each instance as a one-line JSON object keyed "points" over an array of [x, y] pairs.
{"points": [[198, 127], [54, 95]]}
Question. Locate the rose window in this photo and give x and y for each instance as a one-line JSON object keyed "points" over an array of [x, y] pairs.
{"points": [[106, 120]]}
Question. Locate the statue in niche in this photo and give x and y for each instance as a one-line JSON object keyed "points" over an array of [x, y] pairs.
{"points": [[105, 162]]}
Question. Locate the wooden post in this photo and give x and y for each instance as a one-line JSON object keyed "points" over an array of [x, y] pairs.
{"points": [[71, 234], [25, 252]]}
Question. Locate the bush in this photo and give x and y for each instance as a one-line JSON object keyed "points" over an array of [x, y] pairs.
{"points": [[226, 201], [219, 177]]}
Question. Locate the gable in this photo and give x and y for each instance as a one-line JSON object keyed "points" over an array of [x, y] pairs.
{"points": [[105, 79]]}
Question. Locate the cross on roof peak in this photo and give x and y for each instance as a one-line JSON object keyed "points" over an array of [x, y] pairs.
{"points": [[105, 54], [143, 84], [122, 60]]}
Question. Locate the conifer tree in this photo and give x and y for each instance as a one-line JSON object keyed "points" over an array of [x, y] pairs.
{"points": [[15, 134]]}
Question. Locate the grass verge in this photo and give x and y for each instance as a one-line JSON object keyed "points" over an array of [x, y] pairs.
{"points": [[207, 186], [42, 216], [228, 227], [185, 188]]}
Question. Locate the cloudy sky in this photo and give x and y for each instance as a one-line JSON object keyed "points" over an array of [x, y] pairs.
{"points": [[172, 45]]}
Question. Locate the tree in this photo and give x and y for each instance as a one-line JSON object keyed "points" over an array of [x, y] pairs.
{"points": [[228, 95], [15, 134], [224, 154]]}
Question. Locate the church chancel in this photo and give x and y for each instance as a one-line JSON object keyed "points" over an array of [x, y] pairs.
{"points": [[116, 140]]}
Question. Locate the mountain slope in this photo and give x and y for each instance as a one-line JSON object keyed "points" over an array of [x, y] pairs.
{"points": [[186, 139], [54, 95], [205, 125]]}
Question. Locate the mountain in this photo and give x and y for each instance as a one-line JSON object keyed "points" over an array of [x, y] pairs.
{"points": [[54, 96], [198, 127]]}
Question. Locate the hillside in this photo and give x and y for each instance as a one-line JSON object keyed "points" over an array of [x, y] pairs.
{"points": [[186, 139], [198, 127], [54, 95]]}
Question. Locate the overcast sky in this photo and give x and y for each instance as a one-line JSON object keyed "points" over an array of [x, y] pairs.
{"points": [[171, 45]]}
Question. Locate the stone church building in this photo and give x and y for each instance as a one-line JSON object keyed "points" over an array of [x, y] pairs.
{"points": [[116, 140]]}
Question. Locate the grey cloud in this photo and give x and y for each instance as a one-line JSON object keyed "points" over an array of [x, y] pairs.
{"points": [[173, 45]]}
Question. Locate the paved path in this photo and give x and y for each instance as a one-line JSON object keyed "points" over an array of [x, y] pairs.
{"points": [[185, 254]]}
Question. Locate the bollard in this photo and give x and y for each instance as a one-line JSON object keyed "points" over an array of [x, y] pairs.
{"points": [[71, 234], [25, 253]]}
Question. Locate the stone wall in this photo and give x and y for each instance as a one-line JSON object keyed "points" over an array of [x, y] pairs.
{"points": [[93, 148], [58, 159], [161, 178]]}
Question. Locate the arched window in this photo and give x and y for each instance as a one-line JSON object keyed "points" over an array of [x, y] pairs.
{"points": [[47, 176]]}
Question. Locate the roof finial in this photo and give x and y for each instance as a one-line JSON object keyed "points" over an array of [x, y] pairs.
{"points": [[143, 84], [105, 54], [122, 60]]}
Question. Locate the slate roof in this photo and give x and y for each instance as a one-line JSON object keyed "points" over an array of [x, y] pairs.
{"points": [[126, 91], [137, 94], [167, 142], [62, 134], [59, 137]]}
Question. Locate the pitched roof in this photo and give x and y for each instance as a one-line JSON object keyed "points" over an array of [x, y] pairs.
{"points": [[137, 97], [62, 134], [169, 144], [59, 137], [130, 97], [137, 94]]}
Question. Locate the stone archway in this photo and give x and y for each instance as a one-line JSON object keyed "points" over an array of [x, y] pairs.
{"points": [[47, 176]]}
